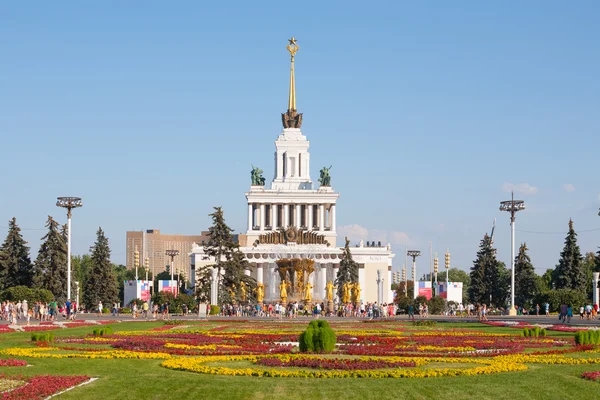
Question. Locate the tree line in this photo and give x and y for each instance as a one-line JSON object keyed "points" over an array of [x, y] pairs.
{"points": [[95, 273]]}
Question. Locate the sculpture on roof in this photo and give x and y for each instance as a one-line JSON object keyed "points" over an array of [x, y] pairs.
{"points": [[325, 179], [256, 176]]}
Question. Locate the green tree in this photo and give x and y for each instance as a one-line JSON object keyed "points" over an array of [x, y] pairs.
{"points": [[569, 273], [51, 261], [488, 276], [101, 284], [525, 278], [348, 271], [122, 274], [80, 270], [16, 268], [229, 261], [588, 264], [597, 265]]}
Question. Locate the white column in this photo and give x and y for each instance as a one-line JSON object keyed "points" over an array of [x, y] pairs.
{"points": [[214, 288], [387, 287], [262, 217], [321, 217], [273, 216], [286, 216], [250, 216], [332, 212], [310, 222], [322, 281], [596, 293], [259, 273], [298, 216], [363, 283]]}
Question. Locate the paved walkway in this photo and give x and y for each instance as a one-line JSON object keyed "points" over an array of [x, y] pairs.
{"points": [[532, 319]]}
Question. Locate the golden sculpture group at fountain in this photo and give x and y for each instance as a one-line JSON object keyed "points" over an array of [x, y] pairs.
{"points": [[295, 274], [351, 293]]}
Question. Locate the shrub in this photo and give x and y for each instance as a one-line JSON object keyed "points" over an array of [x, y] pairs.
{"points": [[42, 337], [19, 293], [318, 338], [533, 332], [175, 322], [561, 296], [105, 310], [125, 310], [424, 322], [215, 310], [105, 331], [587, 337], [436, 305]]}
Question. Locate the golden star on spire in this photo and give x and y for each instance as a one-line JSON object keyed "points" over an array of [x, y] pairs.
{"points": [[292, 41], [293, 46]]}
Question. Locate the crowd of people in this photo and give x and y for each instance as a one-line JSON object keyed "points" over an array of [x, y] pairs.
{"points": [[22, 311]]}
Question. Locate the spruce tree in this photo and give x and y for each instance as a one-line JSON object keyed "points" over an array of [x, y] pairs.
{"points": [[488, 276], [597, 266], [569, 273], [348, 272], [17, 269], [230, 262], [51, 261], [525, 278], [101, 284]]}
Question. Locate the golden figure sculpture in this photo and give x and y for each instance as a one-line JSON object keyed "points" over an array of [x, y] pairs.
{"points": [[330, 288], [243, 293], [356, 293], [308, 292], [283, 286], [260, 292], [346, 293], [232, 293]]}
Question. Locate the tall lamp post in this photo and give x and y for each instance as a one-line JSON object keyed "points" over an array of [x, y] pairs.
{"points": [[136, 263], [512, 206], [436, 268], [404, 279], [414, 254], [172, 254], [69, 203]]}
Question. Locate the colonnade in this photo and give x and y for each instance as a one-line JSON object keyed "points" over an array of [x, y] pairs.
{"points": [[272, 216]]}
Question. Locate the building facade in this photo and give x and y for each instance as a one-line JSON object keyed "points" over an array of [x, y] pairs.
{"points": [[291, 218], [152, 245]]}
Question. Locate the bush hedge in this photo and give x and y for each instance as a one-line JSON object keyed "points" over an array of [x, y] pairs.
{"points": [[105, 331], [215, 310], [317, 338], [19, 293], [42, 337], [533, 332], [587, 337]]}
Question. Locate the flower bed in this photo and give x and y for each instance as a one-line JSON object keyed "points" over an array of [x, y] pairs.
{"points": [[593, 376], [11, 362], [41, 387], [335, 363]]}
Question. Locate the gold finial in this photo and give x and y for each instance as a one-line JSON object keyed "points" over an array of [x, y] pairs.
{"points": [[292, 47], [292, 119]]}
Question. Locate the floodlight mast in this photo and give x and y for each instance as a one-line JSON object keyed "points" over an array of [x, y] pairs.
{"points": [[512, 206]]}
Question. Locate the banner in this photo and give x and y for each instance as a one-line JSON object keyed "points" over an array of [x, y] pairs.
{"points": [[425, 289], [168, 286]]}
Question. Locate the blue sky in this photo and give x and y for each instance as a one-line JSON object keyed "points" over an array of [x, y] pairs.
{"points": [[430, 114]]}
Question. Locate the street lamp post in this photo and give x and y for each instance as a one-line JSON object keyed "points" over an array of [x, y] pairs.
{"points": [[436, 267], [136, 263], [404, 279], [69, 203], [512, 206], [379, 287], [172, 254], [414, 254]]}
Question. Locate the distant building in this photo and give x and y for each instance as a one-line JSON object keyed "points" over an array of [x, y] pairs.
{"points": [[152, 244]]}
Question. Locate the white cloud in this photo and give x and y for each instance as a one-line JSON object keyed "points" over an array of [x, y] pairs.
{"points": [[568, 187], [521, 188], [357, 232]]}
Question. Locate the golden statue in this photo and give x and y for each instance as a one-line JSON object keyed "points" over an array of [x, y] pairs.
{"points": [[308, 292], [346, 293], [356, 293], [232, 293], [260, 292], [283, 286], [330, 288], [243, 294]]}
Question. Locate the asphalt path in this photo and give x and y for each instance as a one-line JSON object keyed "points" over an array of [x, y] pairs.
{"points": [[531, 319]]}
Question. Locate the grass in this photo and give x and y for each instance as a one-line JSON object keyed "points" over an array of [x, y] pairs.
{"points": [[133, 379]]}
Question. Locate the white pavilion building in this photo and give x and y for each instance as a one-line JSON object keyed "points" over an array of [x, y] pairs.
{"points": [[293, 219]]}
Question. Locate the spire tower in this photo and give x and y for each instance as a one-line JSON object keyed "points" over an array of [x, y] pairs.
{"points": [[292, 119]]}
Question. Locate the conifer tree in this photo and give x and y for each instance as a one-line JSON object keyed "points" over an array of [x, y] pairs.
{"points": [[569, 273], [51, 261], [17, 269], [101, 284], [488, 276], [230, 262], [597, 266], [348, 272], [525, 278]]}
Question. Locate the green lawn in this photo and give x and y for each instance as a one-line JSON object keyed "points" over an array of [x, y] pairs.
{"points": [[145, 379]]}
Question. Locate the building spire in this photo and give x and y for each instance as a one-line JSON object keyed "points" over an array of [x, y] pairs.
{"points": [[292, 119], [292, 48]]}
